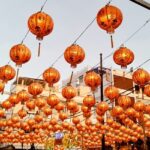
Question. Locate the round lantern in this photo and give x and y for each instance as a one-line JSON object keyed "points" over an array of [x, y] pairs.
{"points": [[40, 24], [47, 111], [23, 96], [141, 77], [40, 102], [74, 55], [102, 107], [75, 120], [22, 113], [85, 109], [63, 116], [69, 92], [38, 118], [30, 104], [124, 101], [109, 18], [13, 98], [7, 73], [6, 104], [60, 106], [20, 54], [51, 76], [130, 112], [117, 111], [147, 90], [89, 101], [111, 92], [52, 100], [35, 89], [139, 106], [123, 57], [72, 106], [92, 80]]}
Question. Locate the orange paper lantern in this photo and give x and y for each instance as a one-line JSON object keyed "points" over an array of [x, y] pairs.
{"points": [[7, 73], [40, 24], [69, 92], [123, 57], [92, 80], [51, 76], [20, 54], [109, 18], [141, 77], [74, 55], [111, 92], [35, 89]]}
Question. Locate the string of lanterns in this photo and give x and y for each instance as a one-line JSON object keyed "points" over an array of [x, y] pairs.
{"points": [[37, 129]]}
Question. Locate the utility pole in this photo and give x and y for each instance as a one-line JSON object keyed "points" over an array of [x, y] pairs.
{"points": [[102, 94]]}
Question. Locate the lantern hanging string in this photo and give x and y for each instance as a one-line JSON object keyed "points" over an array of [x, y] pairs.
{"points": [[25, 37]]}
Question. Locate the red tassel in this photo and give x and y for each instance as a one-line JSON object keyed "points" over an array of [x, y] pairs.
{"points": [[112, 43], [39, 49]]}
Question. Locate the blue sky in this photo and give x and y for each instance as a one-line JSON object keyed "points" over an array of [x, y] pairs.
{"points": [[70, 19]]}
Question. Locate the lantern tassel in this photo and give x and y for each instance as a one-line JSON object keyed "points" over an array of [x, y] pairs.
{"points": [[112, 43], [39, 49], [17, 75]]}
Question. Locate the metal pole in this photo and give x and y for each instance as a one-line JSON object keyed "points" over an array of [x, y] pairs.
{"points": [[102, 95]]}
